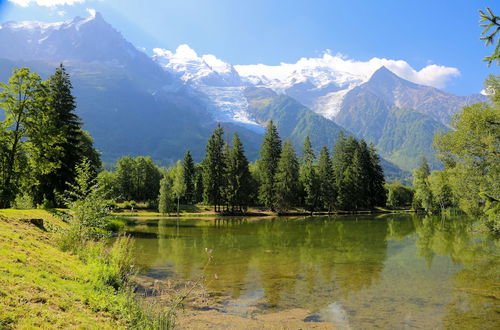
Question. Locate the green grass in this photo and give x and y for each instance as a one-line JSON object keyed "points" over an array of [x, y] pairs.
{"points": [[43, 287]]}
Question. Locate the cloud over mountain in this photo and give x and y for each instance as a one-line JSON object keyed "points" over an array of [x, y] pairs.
{"points": [[432, 75]]}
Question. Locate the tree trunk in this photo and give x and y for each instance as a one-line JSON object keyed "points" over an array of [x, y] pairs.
{"points": [[5, 198], [178, 206]]}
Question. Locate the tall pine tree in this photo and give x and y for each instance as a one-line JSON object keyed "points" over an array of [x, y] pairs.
{"points": [[268, 164], [309, 177], [238, 179], [76, 145], [363, 170], [377, 192], [214, 169], [189, 177], [287, 179], [198, 194], [327, 191]]}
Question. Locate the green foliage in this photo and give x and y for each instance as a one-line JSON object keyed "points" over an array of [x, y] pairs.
{"points": [[359, 178], [198, 193], [491, 29], [214, 169], [166, 197], [124, 176], [470, 153], [238, 179], [376, 180], [423, 194], [408, 136], [137, 179], [268, 165], [327, 191], [189, 177], [23, 202], [72, 144], [178, 183], [108, 181], [440, 190], [41, 140], [292, 119], [398, 195], [287, 179], [309, 177], [23, 99], [88, 207]]}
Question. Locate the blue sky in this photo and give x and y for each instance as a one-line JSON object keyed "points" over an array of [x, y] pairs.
{"points": [[422, 33]]}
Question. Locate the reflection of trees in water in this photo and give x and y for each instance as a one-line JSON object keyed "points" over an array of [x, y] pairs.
{"points": [[399, 226], [475, 302], [311, 262], [441, 236], [296, 260]]}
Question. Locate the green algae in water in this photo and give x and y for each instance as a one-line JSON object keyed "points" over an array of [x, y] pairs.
{"points": [[390, 271]]}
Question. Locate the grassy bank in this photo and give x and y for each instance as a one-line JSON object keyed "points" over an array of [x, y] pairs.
{"points": [[43, 287]]}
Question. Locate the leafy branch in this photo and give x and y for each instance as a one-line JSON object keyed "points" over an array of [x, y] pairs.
{"points": [[491, 27]]}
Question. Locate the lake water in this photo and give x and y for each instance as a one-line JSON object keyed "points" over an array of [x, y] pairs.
{"points": [[358, 272]]}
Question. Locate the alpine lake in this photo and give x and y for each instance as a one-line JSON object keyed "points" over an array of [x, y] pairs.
{"points": [[388, 271]]}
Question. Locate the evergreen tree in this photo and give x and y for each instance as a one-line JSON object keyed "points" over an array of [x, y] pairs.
{"points": [[287, 179], [238, 181], [198, 195], [376, 190], [346, 198], [339, 157], [342, 165], [327, 191], [491, 24], [225, 193], [63, 103], [309, 177], [189, 177], [269, 157], [362, 166], [214, 169], [75, 145], [359, 178]]}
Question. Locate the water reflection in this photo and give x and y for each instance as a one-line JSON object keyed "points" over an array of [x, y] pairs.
{"points": [[389, 271]]}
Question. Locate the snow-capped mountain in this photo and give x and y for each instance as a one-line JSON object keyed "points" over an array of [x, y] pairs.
{"points": [[318, 83], [197, 70], [136, 104], [217, 80], [80, 39]]}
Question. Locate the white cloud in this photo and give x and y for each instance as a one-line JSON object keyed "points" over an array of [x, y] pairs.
{"points": [[431, 75], [91, 12], [61, 13], [46, 3], [185, 59]]}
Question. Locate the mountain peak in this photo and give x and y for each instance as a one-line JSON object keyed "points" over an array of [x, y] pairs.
{"points": [[94, 14], [383, 73], [190, 67]]}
